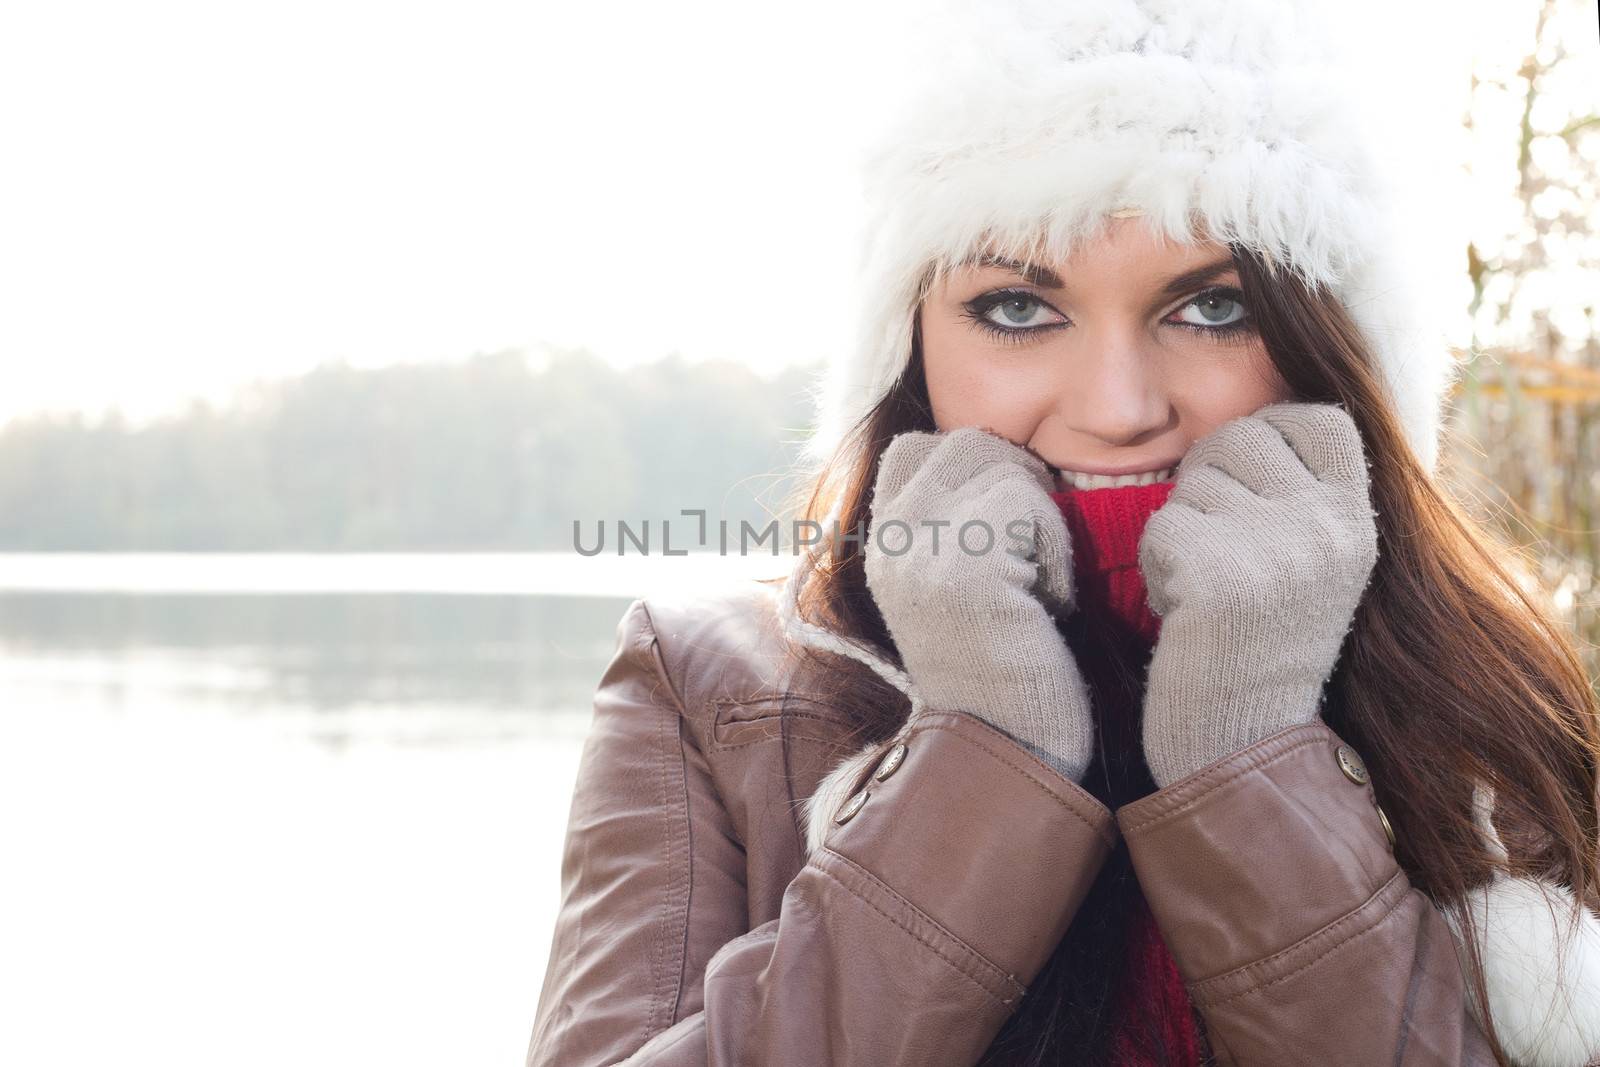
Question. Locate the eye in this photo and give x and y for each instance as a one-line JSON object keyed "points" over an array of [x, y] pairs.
{"points": [[1215, 309], [1017, 312], [1011, 314]]}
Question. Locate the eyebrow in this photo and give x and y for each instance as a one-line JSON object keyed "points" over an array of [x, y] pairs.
{"points": [[1049, 279]]}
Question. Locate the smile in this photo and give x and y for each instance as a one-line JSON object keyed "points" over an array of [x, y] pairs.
{"points": [[1066, 479]]}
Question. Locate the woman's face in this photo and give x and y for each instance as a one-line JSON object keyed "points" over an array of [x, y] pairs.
{"points": [[1113, 362]]}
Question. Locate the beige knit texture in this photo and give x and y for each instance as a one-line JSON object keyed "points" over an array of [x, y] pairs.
{"points": [[974, 628], [1256, 564]]}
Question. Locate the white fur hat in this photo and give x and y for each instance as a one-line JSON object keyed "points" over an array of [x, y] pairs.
{"points": [[1027, 122]]}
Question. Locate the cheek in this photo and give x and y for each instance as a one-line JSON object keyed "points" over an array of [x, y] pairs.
{"points": [[967, 387], [1213, 393]]}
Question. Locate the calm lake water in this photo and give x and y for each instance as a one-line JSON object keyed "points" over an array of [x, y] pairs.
{"points": [[268, 810]]}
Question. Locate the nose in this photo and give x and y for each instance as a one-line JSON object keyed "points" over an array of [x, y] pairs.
{"points": [[1113, 393]]}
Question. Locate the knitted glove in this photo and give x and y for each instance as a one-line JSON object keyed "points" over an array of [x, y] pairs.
{"points": [[1255, 564], [972, 619]]}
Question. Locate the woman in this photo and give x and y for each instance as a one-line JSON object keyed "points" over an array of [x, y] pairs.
{"points": [[1265, 758]]}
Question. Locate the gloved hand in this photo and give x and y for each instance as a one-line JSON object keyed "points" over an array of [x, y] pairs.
{"points": [[1256, 565], [973, 625]]}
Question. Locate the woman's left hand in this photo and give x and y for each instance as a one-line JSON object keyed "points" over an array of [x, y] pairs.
{"points": [[1256, 564]]}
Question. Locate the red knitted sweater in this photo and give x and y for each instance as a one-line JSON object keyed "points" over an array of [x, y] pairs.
{"points": [[1105, 526]]}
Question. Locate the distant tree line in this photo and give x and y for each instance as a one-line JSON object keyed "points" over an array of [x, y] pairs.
{"points": [[492, 453]]}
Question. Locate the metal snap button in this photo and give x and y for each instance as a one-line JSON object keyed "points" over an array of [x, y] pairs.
{"points": [[891, 762], [1388, 831], [848, 809], [1351, 764]]}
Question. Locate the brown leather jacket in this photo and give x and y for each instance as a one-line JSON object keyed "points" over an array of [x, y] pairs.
{"points": [[695, 930]]}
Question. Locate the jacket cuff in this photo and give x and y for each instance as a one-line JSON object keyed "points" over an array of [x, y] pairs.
{"points": [[1264, 861], [974, 840]]}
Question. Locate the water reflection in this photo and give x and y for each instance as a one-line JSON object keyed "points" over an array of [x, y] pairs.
{"points": [[469, 664]]}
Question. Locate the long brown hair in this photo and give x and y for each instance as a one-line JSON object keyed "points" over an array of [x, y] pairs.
{"points": [[1453, 671]]}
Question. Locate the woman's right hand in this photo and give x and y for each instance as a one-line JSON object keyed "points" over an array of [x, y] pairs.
{"points": [[966, 557]]}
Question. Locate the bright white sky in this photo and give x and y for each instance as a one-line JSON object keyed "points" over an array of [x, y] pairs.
{"points": [[199, 193]]}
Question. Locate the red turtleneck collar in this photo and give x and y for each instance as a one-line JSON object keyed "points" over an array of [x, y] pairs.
{"points": [[1105, 525]]}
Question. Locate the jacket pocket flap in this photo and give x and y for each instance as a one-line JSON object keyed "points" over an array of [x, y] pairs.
{"points": [[739, 722]]}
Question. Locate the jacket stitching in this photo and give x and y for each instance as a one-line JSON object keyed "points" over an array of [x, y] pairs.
{"points": [[1352, 918], [697, 1027], [1417, 956], [1199, 788], [686, 894], [935, 949], [1183, 804], [1000, 973], [778, 700], [930, 946], [1101, 827], [648, 643], [776, 737], [658, 944]]}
